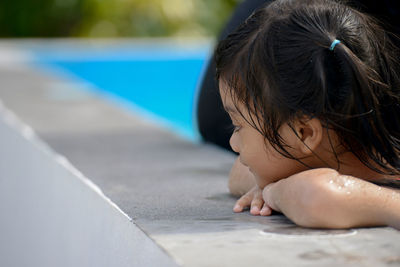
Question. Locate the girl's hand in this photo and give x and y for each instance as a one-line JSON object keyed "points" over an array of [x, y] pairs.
{"points": [[323, 198], [254, 200]]}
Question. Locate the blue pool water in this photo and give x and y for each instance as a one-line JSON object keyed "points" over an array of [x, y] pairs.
{"points": [[159, 79]]}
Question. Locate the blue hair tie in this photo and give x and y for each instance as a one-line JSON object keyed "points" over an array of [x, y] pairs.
{"points": [[334, 43]]}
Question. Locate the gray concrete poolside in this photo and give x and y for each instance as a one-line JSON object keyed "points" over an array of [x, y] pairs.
{"points": [[174, 191]]}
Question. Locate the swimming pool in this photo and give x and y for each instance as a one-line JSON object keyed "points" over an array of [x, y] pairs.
{"points": [[158, 79]]}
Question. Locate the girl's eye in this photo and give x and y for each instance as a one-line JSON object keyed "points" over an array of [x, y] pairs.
{"points": [[236, 128]]}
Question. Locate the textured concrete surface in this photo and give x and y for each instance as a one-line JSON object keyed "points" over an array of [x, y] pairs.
{"points": [[173, 189]]}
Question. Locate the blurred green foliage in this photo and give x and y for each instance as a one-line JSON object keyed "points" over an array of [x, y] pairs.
{"points": [[112, 18]]}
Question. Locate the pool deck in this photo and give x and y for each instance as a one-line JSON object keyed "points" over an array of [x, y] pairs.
{"points": [[174, 190]]}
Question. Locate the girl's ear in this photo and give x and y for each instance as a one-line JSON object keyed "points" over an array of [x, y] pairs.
{"points": [[309, 132]]}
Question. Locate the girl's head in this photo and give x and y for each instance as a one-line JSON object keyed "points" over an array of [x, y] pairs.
{"points": [[280, 70]]}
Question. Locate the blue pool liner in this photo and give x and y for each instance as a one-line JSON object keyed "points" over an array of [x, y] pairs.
{"points": [[160, 81]]}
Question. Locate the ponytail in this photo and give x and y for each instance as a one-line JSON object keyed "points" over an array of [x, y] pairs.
{"points": [[369, 129]]}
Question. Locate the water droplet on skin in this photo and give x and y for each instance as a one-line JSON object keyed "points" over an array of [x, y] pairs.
{"points": [[348, 182], [331, 181], [348, 192]]}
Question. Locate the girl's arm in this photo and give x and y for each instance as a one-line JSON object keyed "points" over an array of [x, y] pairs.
{"points": [[319, 198], [323, 198], [392, 208]]}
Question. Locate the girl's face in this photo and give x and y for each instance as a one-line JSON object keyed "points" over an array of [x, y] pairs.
{"points": [[255, 152]]}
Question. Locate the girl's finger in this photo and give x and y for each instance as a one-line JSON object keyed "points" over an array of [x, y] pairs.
{"points": [[243, 202], [256, 203], [266, 210]]}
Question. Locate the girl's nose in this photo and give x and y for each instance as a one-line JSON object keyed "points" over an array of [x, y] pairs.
{"points": [[234, 143]]}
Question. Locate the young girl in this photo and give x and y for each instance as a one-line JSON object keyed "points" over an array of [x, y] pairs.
{"points": [[313, 91]]}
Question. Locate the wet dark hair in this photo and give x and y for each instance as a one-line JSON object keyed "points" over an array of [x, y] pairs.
{"points": [[279, 65]]}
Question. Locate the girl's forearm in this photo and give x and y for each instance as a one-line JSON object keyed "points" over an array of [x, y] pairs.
{"points": [[391, 207], [322, 198], [376, 206]]}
